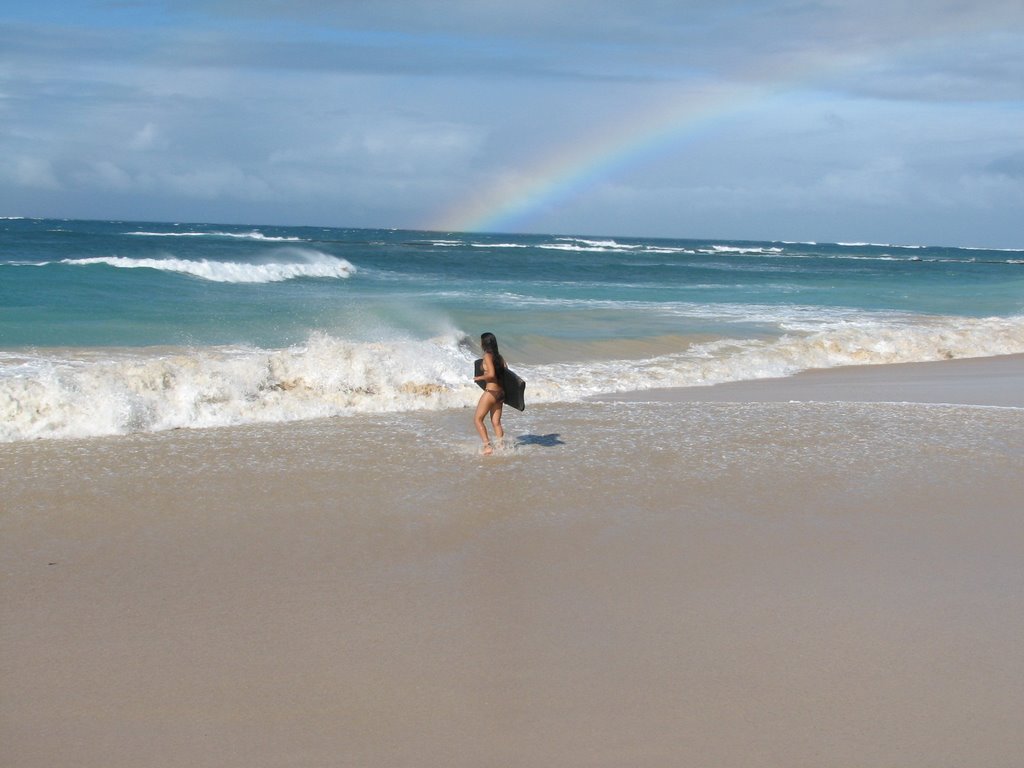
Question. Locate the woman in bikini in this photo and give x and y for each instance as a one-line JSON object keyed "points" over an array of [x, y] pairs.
{"points": [[493, 396]]}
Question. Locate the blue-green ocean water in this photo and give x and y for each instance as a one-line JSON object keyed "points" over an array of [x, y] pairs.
{"points": [[112, 327]]}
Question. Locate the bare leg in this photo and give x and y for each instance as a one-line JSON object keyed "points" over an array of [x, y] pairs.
{"points": [[483, 407], [499, 432]]}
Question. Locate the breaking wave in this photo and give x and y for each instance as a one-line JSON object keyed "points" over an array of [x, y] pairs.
{"points": [[251, 235], [102, 392], [294, 263]]}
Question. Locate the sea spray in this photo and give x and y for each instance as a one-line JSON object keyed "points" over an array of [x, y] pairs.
{"points": [[137, 391], [132, 391]]}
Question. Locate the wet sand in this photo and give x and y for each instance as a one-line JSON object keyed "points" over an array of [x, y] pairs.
{"points": [[773, 573]]}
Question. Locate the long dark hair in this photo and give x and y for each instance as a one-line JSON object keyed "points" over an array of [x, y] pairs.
{"points": [[489, 342]]}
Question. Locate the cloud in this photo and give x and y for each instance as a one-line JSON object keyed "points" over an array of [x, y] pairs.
{"points": [[886, 48], [105, 174], [219, 181], [1011, 166], [388, 144], [386, 112], [628, 37], [147, 138], [31, 172]]}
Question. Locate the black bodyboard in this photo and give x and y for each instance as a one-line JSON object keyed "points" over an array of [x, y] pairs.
{"points": [[515, 388]]}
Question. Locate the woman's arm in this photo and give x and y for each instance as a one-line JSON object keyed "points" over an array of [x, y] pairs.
{"points": [[488, 366]]}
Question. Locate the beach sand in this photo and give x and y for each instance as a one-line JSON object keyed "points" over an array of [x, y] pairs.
{"points": [[816, 571]]}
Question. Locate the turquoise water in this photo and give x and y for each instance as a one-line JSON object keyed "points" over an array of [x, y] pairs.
{"points": [[112, 327]]}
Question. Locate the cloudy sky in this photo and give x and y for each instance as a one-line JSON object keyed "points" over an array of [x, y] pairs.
{"points": [[897, 121]]}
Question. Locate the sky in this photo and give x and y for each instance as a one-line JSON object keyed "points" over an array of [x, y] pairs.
{"points": [[887, 121]]}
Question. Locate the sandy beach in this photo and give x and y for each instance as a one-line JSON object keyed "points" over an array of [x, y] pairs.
{"points": [[819, 571]]}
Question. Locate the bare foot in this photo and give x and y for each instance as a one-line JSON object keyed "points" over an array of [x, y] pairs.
{"points": [[487, 449]]}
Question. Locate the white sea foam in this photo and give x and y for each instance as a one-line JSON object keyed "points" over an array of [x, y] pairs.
{"points": [[292, 263], [578, 248], [251, 235], [597, 243], [841, 343], [881, 245], [780, 253], [46, 396], [608, 246], [741, 249], [103, 393], [1002, 250], [788, 317], [575, 245]]}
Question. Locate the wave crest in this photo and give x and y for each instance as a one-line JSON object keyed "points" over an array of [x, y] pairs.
{"points": [[296, 263], [105, 393], [127, 392], [254, 234]]}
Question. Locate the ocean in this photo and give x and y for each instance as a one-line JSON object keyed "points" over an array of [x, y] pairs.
{"points": [[116, 327]]}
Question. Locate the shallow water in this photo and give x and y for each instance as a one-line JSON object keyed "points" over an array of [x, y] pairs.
{"points": [[121, 327]]}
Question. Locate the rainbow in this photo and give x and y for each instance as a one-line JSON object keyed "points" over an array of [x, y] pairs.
{"points": [[569, 170], [572, 169]]}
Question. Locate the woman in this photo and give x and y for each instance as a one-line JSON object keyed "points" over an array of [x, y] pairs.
{"points": [[493, 396]]}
